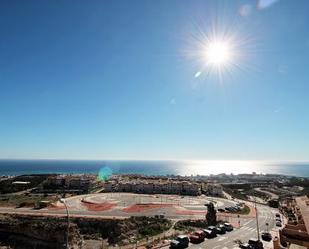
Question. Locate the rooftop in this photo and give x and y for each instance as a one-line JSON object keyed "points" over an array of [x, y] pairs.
{"points": [[294, 246], [303, 204], [21, 182]]}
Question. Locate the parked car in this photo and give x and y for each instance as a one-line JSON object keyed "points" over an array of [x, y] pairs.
{"points": [[266, 236], [237, 208], [221, 210], [278, 224], [245, 246], [222, 227], [209, 234], [228, 227], [182, 241], [220, 230], [234, 209], [255, 244], [195, 239], [200, 233], [278, 215], [228, 209], [213, 229]]}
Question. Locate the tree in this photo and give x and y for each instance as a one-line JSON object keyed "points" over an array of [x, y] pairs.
{"points": [[211, 216]]}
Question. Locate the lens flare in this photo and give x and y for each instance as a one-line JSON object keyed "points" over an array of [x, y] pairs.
{"points": [[105, 173]]}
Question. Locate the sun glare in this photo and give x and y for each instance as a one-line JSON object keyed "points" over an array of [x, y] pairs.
{"points": [[220, 51], [217, 53]]}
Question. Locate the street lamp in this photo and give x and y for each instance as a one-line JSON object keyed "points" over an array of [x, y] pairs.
{"points": [[62, 200]]}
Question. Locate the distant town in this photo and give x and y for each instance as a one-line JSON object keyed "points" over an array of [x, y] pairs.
{"points": [[81, 206]]}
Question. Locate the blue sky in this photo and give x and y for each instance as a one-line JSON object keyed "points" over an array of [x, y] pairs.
{"points": [[111, 80]]}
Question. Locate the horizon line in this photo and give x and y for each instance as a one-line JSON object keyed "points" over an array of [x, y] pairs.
{"points": [[157, 159]]}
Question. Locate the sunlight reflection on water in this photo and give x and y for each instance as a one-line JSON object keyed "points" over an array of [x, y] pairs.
{"points": [[221, 166], [240, 167]]}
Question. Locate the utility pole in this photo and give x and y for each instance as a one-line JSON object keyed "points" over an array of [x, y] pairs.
{"points": [[68, 221], [257, 221]]}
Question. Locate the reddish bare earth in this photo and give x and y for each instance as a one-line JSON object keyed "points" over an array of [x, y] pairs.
{"points": [[190, 212], [56, 207], [99, 206], [144, 207]]}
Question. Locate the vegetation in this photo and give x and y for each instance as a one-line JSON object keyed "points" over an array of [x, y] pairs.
{"points": [[236, 193], [184, 225], [7, 186], [302, 182], [211, 220], [122, 231], [23, 200], [36, 232], [51, 230], [245, 210], [259, 194], [211, 216], [153, 228], [305, 191], [245, 192]]}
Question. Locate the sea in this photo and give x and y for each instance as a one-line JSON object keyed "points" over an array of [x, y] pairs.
{"points": [[153, 167]]}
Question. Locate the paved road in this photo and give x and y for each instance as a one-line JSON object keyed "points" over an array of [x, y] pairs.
{"points": [[272, 195], [244, 233]]}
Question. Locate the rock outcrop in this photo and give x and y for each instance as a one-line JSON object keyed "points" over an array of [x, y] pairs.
{"points": [[23, 232]]}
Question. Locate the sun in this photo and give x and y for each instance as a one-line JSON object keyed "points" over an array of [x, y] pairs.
{"points": [[217, 53]]}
